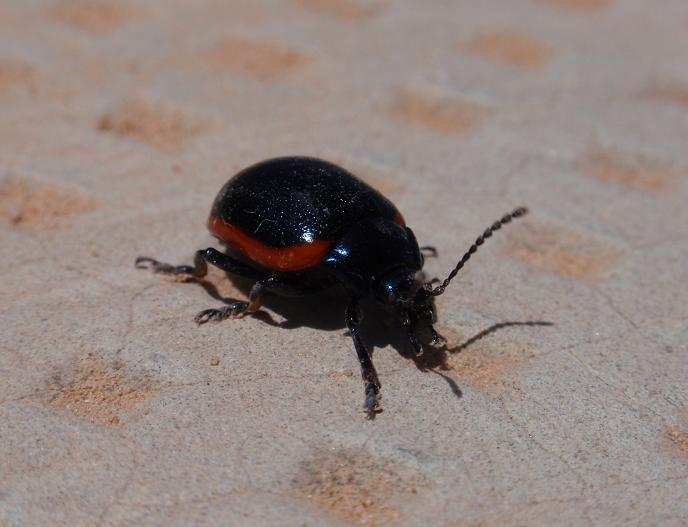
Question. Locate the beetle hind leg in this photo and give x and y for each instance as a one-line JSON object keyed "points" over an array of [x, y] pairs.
{"points": [[199, 269], [145, 262]]}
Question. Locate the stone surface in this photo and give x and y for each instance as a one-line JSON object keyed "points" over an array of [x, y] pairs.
{"points": [[561, 397]]}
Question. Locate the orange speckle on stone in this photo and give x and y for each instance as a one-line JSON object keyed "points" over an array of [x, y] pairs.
{"points": [[672, 92], [450, 116], [14, 74], [562, 250], [511, 48], [99, 394], [344, 9], [93, 15], [474, 361], [679, 438], [340, 375], [40, 206], [154, 124], [628, 169], [263, 61], [484, 371], [357, 489]]}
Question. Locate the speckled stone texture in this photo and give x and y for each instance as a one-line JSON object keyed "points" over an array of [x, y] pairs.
{"points": [[562, 395]]}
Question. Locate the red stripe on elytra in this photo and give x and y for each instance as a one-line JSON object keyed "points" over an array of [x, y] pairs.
{"points": [[293, 258]]}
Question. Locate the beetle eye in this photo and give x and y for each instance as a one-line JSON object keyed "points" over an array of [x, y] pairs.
{"points": [[390, 292]]}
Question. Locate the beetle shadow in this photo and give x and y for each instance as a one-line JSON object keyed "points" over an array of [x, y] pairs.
{"points": [[379, 328], [435, 358], [323, 311]]}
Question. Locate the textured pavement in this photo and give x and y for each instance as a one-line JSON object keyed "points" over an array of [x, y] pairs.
{"points": [[561, 397]]}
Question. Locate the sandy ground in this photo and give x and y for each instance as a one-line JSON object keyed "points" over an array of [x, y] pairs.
{"points": [[561, 397]]}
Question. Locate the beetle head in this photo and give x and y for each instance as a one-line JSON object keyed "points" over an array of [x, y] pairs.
{"points": [[421, 308], [402, 290], [395, 288]]}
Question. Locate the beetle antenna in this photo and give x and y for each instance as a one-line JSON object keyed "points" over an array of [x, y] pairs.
{"points": [[517, 213]]}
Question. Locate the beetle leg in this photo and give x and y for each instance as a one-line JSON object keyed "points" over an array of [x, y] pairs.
{"points": [[413, 340], [437, 339], [429, 251], [200, 267], [372, 383], [235, 309], [409, 320]]}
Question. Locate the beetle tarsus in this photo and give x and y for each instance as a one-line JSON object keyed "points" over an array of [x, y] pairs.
{"points": [[235, 310], [144, 262], [198, 270], [372, 400]]}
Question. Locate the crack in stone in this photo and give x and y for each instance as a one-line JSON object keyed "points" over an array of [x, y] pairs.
{"points": [[524, 428], [631, 400]]}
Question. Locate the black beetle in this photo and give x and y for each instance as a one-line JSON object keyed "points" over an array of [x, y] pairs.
{"points": [[299, 225]]}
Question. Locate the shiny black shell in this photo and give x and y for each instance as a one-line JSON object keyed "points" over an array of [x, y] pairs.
{"points": [[290, 201]]}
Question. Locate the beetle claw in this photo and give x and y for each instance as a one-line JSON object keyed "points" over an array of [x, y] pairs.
{"points": [[372, 401], [437, 339], [235, 310], [145, 262]]}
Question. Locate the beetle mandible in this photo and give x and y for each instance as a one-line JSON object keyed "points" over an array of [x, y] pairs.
{"points": [[300, 225]]}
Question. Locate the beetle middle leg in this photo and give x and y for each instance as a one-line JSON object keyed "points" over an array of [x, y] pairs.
{"points": [[372, 383]]}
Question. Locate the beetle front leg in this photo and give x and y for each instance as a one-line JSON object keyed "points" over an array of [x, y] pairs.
{"points": [[436, 338], [270, 283], [409, 320], [235, 309], [372, 383]]}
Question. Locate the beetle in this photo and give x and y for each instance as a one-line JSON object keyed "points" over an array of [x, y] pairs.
{"points": [[299, 225]]}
